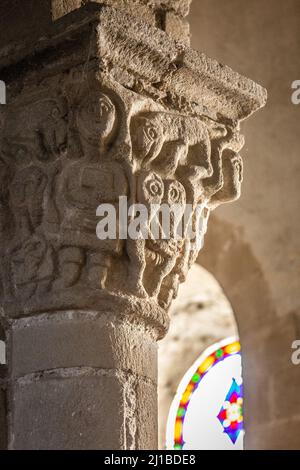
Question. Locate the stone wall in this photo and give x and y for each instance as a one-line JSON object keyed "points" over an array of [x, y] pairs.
{"points": [[253, 247]]}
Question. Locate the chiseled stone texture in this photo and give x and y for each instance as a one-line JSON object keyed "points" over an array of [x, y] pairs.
{"points": [[87, 407], [140, 9], [179, 7], [167, 15], [146, 412], [74, 339], [84, 380]]}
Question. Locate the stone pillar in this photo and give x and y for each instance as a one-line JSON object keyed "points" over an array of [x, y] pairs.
{"points": [[103, 106]]}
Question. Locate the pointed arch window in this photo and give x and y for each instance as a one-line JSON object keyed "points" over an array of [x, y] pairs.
{"points": [[207, 411]]}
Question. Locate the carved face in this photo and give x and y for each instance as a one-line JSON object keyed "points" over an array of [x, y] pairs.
{"points": [[147, 139], [152, 189], [232, 177], [96, 118], [107, 116]]}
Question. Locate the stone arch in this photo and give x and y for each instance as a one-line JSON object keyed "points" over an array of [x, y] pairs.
{"points": [[230, 259], [201, 316]]}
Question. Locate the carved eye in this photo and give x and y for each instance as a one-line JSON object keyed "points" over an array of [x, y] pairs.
{"points": [[151, 133], [150, 188], [176, 193], [155, 187], [104, 107]]}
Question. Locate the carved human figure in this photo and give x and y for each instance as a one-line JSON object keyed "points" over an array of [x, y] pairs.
{"points": [[29, 255], [80, 189], [97, 121], [82, 186], [76, 159]]}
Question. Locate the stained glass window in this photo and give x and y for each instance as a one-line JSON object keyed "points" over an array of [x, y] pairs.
{"points": [[207, 412]]}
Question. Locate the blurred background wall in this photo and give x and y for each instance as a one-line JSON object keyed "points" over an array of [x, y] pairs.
{"points": [[253, 246]]}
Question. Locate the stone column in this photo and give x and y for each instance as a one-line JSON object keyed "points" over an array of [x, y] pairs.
{"points": [[104, 105]]}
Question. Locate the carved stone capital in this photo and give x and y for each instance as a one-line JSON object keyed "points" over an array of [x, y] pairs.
{"points": [[119, 109]]}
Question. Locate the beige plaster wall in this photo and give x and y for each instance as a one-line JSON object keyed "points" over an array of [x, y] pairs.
{"points": [[253, 246]]}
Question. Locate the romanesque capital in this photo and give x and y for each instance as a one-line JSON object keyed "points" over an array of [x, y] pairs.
{"points": [[108, 107]]}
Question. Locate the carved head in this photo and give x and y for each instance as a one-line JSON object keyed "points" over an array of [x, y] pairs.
{"points": [[155, 192], [96, 119], [147, 138], [179, 160]]}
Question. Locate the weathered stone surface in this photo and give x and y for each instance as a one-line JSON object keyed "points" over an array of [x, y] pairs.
{"points": [[165, 15], [177, 27], [137, 9], [75, 339], [146, 435], [83, 408], [77, 406], [180, 7]]}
